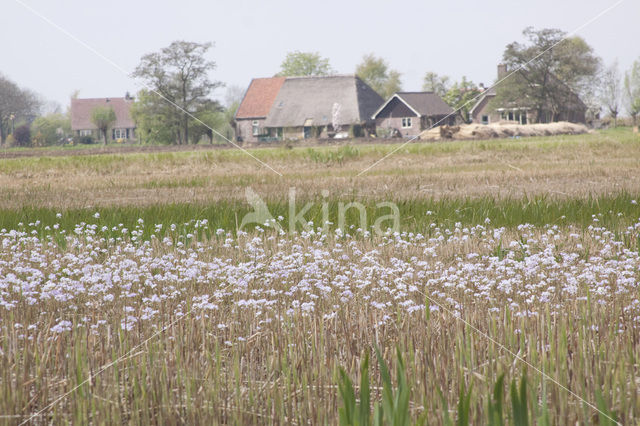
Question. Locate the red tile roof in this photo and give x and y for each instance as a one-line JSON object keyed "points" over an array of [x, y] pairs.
{"points": [[259, 97], [81, 112]]}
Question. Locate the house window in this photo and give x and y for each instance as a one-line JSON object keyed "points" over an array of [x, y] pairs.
{"points": [[485, 119], [255, 126], [86, 132], [406, 122], [119, 134]]}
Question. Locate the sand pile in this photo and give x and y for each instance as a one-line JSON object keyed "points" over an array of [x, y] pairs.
{"points": [[502, 130]]}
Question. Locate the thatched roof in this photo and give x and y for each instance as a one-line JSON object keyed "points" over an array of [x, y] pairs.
{"points": [[309, 101], [259, 97], [81, 110]]}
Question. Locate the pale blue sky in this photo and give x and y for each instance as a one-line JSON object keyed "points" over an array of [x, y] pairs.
{"points": [[251, 38]]}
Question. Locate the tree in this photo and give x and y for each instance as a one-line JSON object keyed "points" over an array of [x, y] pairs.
{"points": [[611, 91], [22, 135], [376, 73], [460, 97], [233, 95], [16, 106], [213, 117], [156, 121], [178, 75], [632, 90], [436, 83], [548, 71], [50, 129], [298, 64], [103, 118]]}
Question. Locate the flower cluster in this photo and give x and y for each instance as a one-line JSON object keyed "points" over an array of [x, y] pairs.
{"points": [[103, 273]]}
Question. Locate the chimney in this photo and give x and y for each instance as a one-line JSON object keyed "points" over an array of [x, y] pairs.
{"points": [[502, 71]]}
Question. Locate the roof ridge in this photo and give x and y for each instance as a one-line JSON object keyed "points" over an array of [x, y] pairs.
{"points": [[101, 99], [301, 77], [422, 92]]}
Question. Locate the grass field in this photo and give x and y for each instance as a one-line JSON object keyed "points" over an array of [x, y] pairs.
{"points": [[569, 166], [128, 295]]}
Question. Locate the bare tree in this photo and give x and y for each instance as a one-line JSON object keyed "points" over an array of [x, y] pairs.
{"points": [[233, 95], [180, 74], [611, 94]]}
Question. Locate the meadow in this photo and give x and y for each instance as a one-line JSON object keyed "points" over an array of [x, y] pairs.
{"points": [[508, 295]]}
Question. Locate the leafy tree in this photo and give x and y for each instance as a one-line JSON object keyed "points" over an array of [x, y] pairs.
{"points": [[611, 91], [177, 75], [438, 84], [550, 69], [103, 118], [632, 90], [213, 118], [376, 73], [22, 135], [461, 96], [50, 129], [156, 121], [298, 64], [16, 105]]}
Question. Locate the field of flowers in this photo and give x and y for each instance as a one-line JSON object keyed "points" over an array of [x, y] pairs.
{"points": [[187, 324]]}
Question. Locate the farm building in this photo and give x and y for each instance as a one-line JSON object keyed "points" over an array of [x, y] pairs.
{"points": [[306, 107], [123, 129], [254, 108], [485, 110], [410, 113]]}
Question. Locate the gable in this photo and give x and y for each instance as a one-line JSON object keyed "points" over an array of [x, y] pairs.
{"points": [[259, 97], [396, 108]]}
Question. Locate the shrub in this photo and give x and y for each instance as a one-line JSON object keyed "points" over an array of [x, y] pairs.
{"points": [[22, 135], [86, 140]]}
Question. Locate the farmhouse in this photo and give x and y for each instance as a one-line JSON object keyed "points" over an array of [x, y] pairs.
{"points": [[410, 113], [254, 108], [123, 129], [306, 107], [486, 111]]}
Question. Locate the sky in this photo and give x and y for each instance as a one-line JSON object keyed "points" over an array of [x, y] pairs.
{"points": [[57, 47]]}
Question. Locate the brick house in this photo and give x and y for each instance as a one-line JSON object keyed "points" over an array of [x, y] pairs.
{"points": [[124, 127], [282, 108], [571, 108], [254, 108], [481, 113], [410, 113]]}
